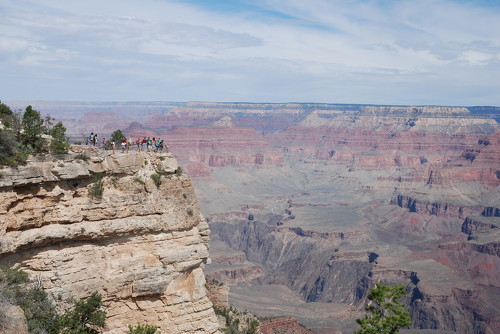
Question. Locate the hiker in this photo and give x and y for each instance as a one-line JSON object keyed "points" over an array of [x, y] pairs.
{"points": [[104, 143], [113, 145], [138, 143], [90, 139], [159, 145], [143, 143], [148, 144], [95, 139]]}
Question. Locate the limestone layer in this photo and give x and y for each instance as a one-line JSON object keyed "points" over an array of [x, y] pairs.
{"points": [[143, 246]]}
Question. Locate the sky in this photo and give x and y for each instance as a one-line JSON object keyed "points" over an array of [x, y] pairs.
{"points": [[417, 52]]}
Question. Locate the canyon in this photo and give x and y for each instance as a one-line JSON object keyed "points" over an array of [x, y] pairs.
{"points": [[311, 204]]}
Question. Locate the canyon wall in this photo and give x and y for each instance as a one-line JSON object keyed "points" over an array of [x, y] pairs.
{"points": [[142, 246], [311, 204]]}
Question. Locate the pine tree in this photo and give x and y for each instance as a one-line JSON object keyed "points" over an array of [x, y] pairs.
{"points": [[32, 125], [387, 314], [59, 143]]}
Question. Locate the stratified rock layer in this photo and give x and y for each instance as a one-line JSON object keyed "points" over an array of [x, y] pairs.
{"points": [[143, 246]]}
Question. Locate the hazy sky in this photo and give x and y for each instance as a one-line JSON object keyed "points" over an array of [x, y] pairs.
{"points": [[383, 52]]}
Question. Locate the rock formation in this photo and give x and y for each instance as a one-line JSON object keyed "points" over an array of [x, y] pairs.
{"points": [[142, 245]]}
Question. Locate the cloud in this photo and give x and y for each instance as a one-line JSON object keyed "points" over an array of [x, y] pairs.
{"points": [[323, 50]]}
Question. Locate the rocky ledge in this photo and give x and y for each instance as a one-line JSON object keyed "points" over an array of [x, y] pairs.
{"points": [[126, 225]]}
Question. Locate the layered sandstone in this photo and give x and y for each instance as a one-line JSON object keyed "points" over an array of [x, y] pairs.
{"points": [[142, 246]]}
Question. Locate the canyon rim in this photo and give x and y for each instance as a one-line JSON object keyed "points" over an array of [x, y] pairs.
{"points": [[309, 205]]}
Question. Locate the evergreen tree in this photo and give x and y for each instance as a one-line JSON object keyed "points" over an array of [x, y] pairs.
{"points": [[117, 137], [59, 143], [4, 110], [86, 317], [33, 129], [387, 314]]}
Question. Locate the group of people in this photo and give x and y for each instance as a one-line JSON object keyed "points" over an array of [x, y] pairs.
{"points": [[149, 145], [92, 139]]}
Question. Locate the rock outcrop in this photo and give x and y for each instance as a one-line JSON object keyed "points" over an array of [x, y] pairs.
{"points": [[141, 244]]}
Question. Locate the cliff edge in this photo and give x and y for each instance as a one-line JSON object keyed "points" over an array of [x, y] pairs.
{"points": [[126, 225]]}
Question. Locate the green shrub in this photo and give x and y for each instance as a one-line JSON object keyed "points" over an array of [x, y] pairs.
{"points": [[190, 211], [40, 313], [139, 180], [86, 316], [386, 313], [77, 143], [114, 180], [185, 195], [9, 276], [178, 171], [82, 156], [97, 189], [11, 152], [156, 179], [162, 158], [142, 329], [59, 143]]}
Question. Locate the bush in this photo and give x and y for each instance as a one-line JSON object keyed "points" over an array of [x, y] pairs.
{"points": [[156, 179], [40, 313], [387, 314], [59, 143], [86, 316], [82, 156], [178, 171], [142, 329], [139, 180], [97, 189], [11, 152]]}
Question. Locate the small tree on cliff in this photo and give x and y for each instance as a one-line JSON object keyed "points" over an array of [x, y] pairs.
{"points": [[59, 143], [387, 314], [117, 137], [33, 127], [86, 317]]}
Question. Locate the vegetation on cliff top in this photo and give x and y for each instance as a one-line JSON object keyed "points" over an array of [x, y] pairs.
{"points": [[24, 133]]}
